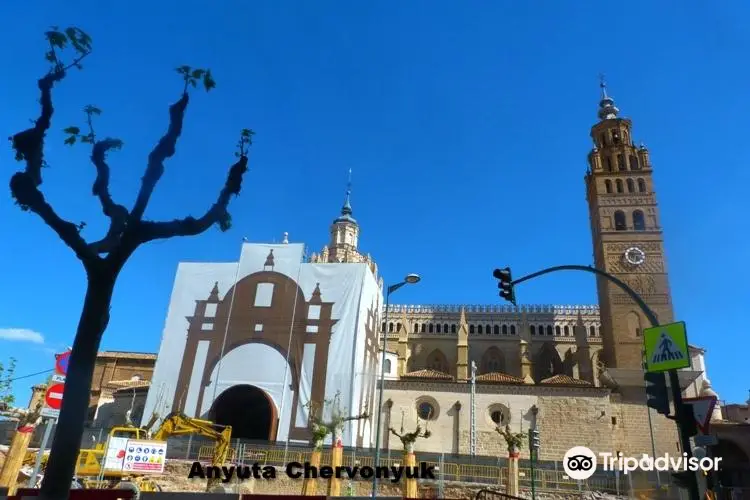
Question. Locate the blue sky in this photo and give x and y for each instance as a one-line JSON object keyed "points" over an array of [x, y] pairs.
{"points": [[465, 124]]}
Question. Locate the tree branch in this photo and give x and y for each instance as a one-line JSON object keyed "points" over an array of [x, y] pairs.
{"points": [[24, 186], [117, 213], [190, 226], [163, 150]]}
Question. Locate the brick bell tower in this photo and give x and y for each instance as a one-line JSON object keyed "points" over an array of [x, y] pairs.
{"points": [[627, 236]]}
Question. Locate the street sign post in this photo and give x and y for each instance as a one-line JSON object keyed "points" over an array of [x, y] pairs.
{"points": [[702, 407], [666, 347]]}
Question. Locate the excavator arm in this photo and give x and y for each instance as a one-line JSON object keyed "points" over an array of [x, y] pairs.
{"points": [[178, 424]]}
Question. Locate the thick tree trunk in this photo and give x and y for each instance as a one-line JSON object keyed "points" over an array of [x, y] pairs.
{"points": [[69, 432]]}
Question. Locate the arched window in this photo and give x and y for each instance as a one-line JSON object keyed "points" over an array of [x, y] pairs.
{"points": [[398, 326], [608, 163], [437, 328], [620, 224], [493, 360], [621, 162], [641, 186], [430, 328], [445, 327], [608, 186], [618, 185], [549, 330], [634, 165], [390, 327], [387, 366], [558, 332], [496, 330], [437, 361], [471, 328], [453, 328], [512, 329], [424, 327], [488, 330], [532, 329], [479, 328], [382, 329], [631, 186], [634, 324], [639, 222], [566, 330], [592, 331], [416, 327], [505, 329]]}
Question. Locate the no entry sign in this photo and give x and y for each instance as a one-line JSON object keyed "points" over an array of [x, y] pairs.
{"points": [[61, 363], [54, 396]]}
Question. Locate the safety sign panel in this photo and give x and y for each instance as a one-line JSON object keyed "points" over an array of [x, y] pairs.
{"points": [[114, 459], [145, 456], [666, 347]]}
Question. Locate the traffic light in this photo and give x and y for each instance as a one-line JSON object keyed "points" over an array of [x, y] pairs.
{"points": [[687, 424], [656, 392], [534, 439], [506, 284]]}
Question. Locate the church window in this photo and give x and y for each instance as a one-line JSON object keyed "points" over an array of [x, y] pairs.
{"points": [[437, 361], [445, 328], [608, 163], [390, 327], [641, 186], [532, 330], [496, 330], [620, 221], [505, 329], [479, 328], [621, 162], [453, 328], [488, 330], [382, 328], [387, 366], [549, 330], [639, 223], [471, 328], [592, 331], [430, 328], [557, 331], [398, 326], [512, 329], [631, 186], [426, 410], [497, 416], [634, 324], [566, 330], [437, 328], [618, 185], [634, 164], [608, 186], [424, 327], [416, 327]]}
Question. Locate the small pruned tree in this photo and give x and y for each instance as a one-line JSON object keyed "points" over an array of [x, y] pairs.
{"points": [[6, 384], [513, 440], [409, 438], [103, 258], [334, 425]]}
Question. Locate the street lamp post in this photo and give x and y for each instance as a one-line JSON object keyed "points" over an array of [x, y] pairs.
{"points": [[410, 279]]}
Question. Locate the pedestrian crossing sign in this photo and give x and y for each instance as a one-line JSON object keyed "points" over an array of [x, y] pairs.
{"points": [[666, 347]]}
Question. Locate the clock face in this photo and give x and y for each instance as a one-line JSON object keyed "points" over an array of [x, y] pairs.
{"points": [[635, 256]]}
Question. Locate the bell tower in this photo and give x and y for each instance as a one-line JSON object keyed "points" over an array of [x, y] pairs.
{"points": [[627, 235]]}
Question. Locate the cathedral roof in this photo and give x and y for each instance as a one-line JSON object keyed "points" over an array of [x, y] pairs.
{"points": [[427, 373], [565, 380], [499, 378]]}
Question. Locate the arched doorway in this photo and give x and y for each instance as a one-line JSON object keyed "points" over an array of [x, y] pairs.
{"points": [[249, 410], [734, 466]]}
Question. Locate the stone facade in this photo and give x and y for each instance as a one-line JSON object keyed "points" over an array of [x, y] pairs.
{"points": [[113, 371]]}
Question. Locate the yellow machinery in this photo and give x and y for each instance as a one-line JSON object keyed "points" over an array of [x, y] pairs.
{"points": [[90, 461]]}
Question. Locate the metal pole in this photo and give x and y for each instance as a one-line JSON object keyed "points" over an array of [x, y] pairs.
{"points": [[653, 445], [226, 328], [532, 454], [674, 380], [379, 408], [40, 454], [473, 429]]}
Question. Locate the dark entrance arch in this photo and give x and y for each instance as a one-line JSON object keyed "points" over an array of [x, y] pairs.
{"points": [[249, 410], [735, 464]]}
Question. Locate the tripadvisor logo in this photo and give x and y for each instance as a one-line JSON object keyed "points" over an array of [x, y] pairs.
{"points": [[579, 463]]}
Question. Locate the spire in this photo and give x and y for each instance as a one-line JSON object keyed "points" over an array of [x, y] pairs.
{"points": [[346, 209], [607, 108]]}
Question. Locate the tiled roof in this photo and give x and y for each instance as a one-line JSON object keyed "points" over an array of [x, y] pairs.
{"points": [[499, 378], [126, 355], [565, 380], [427, 373]]}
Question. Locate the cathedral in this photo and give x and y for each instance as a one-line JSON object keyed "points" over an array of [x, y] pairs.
{"points": [[313, 326]]}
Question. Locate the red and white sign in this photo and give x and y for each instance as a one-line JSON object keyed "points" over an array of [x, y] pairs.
{"points": [[703, 408], [54, 396]]}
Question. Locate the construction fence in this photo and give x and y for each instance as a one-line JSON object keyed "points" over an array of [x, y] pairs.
{"points": [[454, 468]]}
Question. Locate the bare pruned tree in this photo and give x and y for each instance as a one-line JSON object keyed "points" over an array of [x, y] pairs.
{"points": [[104, 258]]}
